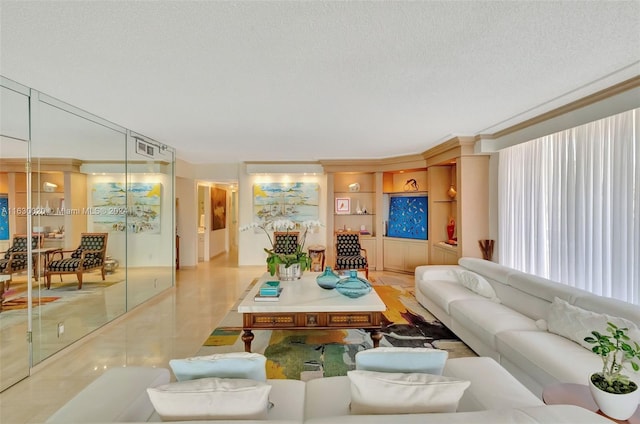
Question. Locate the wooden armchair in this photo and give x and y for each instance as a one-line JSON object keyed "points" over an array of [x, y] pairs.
{"points": [[285, 242], [349, 253], [15, 258], [88, 256]]}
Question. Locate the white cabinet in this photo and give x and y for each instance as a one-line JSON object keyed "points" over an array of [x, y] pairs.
{"points": [[405, 255], [369, 244], [444, 254]]}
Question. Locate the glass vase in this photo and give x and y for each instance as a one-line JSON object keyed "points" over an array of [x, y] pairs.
{"points": [[328, 279], [353, 286]]}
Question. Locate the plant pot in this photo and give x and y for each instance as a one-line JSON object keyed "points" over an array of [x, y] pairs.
{"points": [[293, 272], [616, 406]]}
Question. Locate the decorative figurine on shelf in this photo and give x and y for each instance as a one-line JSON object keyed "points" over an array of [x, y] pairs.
{"points": [[451, 227], [411, 185], [452, 192]]}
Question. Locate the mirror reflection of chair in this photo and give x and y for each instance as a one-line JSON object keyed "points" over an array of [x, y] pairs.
{"points": [[349, 252], [88, 256], [285, 242], [15, 258]]}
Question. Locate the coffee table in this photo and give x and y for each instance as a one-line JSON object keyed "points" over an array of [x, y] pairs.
{"points": [[305, 305]]}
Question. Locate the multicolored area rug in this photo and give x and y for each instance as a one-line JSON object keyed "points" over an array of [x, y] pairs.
{"points": [[21, 302], [307, 354]]}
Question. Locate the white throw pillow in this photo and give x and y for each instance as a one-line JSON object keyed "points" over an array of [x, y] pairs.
{"points": [[225, 365], [403, 393], [477, 284], [402, 359], [211, 399], [575, 323]]}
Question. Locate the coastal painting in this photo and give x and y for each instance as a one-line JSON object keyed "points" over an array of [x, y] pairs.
{"points": [[132, 207], [296, 201]]}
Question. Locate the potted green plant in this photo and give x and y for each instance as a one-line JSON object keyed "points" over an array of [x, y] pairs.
{"points": [[286, 265], [614, 392]]}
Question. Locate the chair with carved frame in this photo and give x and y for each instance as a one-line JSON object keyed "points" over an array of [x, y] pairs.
{"points": [[89, 255], [349, 252], [285, 242], [15, 258]]}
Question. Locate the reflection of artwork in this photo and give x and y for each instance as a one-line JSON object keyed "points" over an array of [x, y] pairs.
{"points": [[4, 216], [218, 208], [135, 208], [408, 217], [297, 202]]}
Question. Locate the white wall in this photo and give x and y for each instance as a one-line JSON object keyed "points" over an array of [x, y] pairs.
{"points": [[251, 245], [186, 191]]}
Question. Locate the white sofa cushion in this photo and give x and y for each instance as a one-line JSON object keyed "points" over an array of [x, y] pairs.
{"points": [[477, 284], [548, 414], [224, 365], [505, 392], [211, 398], [404, 393], [485, 319], [118, 395], [402, 359], [544, 355], [443, 292], [576, 323]]}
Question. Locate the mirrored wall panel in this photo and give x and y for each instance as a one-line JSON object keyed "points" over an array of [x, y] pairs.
{"points": [[96, 203]]}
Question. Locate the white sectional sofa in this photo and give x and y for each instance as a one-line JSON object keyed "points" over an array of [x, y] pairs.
{"points": [[511, 326], [493, 396]]}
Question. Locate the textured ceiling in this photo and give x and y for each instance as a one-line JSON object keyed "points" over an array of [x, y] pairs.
{"points": [[263, 81]]}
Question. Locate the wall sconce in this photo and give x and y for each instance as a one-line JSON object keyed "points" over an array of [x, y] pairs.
{"points": [[201, 220], [49, 187]]}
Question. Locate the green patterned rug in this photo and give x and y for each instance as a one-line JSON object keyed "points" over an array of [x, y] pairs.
{"points": [[308, 354]]}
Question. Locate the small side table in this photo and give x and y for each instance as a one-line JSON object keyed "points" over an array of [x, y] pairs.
{"points": [[316, 253], [579, 395]]}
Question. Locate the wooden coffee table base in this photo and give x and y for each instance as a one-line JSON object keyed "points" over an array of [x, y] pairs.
{"points": [[369, 321]]}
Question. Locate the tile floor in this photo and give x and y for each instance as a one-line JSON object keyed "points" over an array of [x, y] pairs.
{"points": [[172, 325]]}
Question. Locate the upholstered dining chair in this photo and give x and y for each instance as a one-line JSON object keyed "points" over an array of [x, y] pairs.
{"points": [[349, 252], [88, 256], [285, 242], [15, 258]]}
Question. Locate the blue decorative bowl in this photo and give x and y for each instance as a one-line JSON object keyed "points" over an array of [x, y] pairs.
{"points": [[353, 286]]}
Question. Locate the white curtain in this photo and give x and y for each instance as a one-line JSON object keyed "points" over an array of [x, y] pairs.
{"points": [[569, 207]]}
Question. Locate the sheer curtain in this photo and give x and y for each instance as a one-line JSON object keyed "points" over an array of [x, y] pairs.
{"points": [[569, 207]]}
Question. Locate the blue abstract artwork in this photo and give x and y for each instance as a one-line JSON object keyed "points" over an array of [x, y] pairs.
{"points": [[408, 217], [4, 217]]}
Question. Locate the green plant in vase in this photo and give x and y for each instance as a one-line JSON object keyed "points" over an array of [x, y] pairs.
{"points": [[298, 256], [610, 386]]}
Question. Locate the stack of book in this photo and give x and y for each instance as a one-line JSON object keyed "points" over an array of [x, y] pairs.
{"points": [[269, 291]]}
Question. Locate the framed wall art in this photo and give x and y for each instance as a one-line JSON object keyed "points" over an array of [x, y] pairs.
{"points": [[343, 205], [218, 208], [297, 202]]}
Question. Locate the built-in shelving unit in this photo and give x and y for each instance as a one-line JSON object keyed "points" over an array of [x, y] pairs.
{"points": [[404, 254], [454, 164], [361, 197]]}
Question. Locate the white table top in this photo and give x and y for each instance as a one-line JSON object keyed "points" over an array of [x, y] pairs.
{"points": [[305, 295]]}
